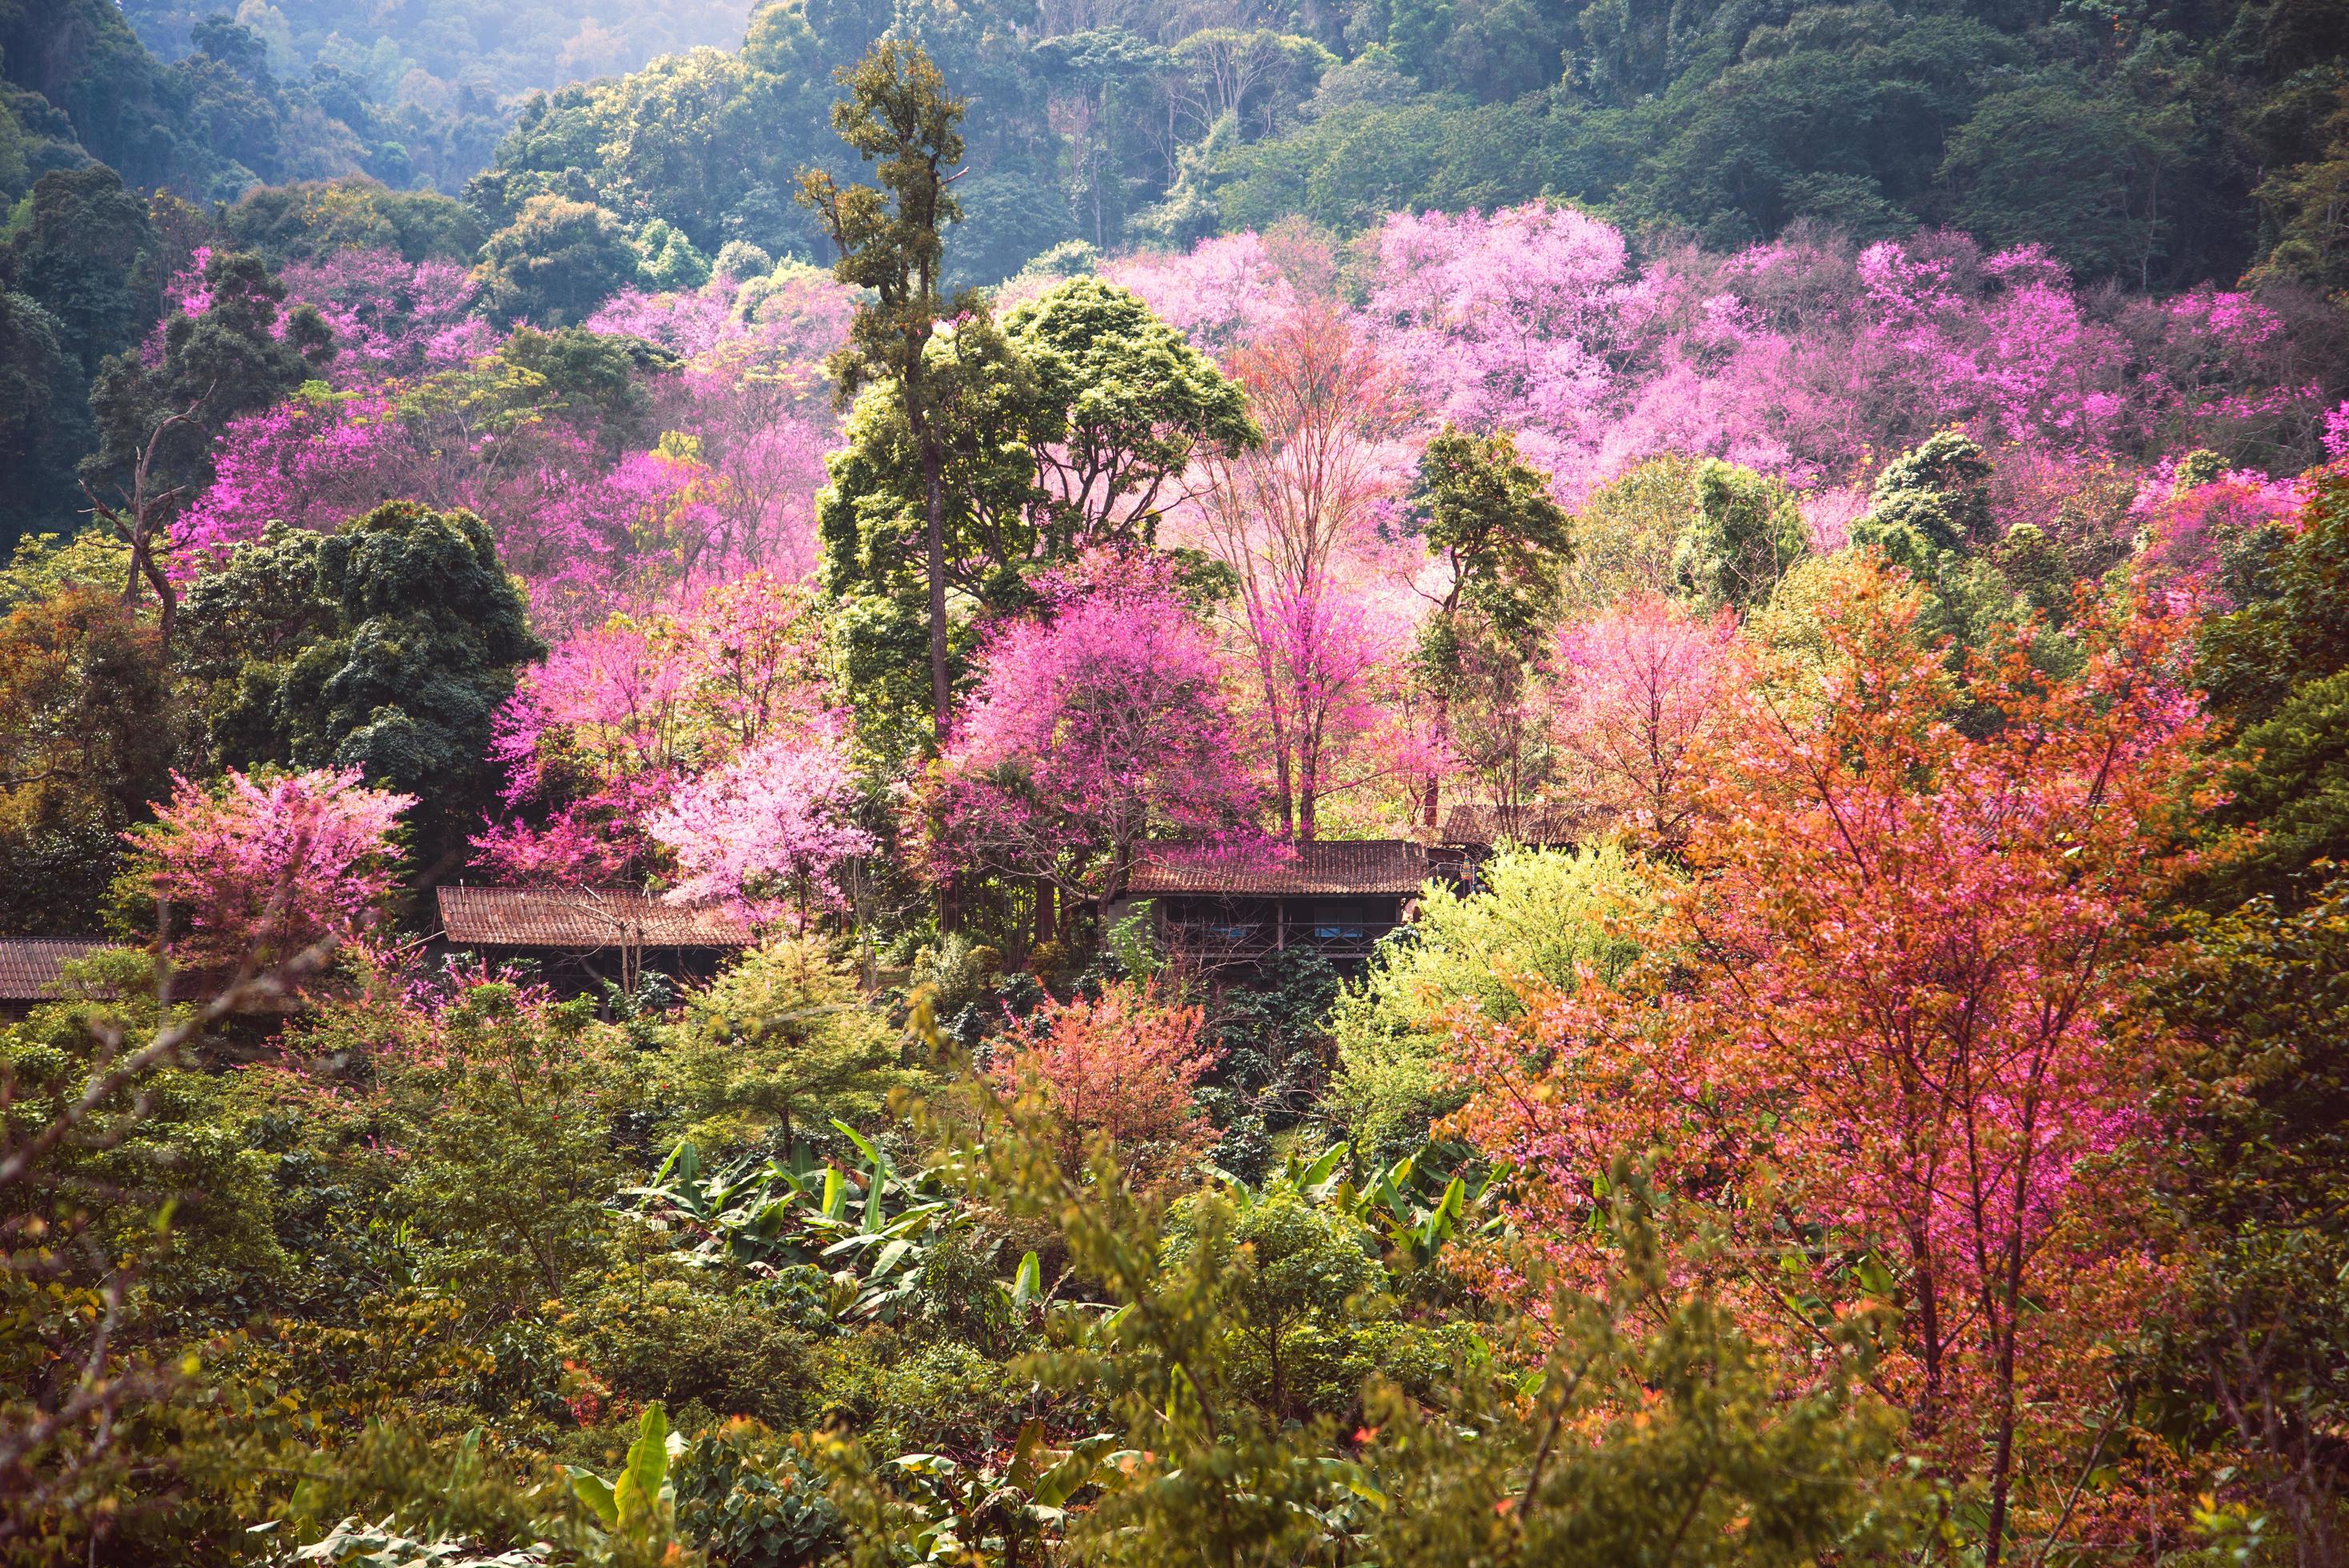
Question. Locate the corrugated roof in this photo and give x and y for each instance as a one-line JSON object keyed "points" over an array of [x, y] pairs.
{"points": [[584, 920], [1542, 826], [28, 967], [1324, 866]]}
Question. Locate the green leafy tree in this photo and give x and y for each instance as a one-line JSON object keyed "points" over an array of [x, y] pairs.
{"points": [[2293, 782], [128, 1215], [891, 240], [1744, 534], [555, 263], [1624, 535], [386, 646], [44, 419], [87, 252], [1298, 1279], [1659, 1431], [1123, 404], [1072, 427], [1636, 1423], [2255, 1367], [2279, 669], [2056, 162], [596, 381], [1929, 503], [1489, 517], [2251, 660], [309, 220], [508, 1121], [1417, 31], [1534, 914], [781, 1042]]}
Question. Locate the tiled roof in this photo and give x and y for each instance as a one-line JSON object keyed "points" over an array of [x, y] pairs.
{"points": [[28, 968], [583, 920], [1325, 866], [1543, 826]]}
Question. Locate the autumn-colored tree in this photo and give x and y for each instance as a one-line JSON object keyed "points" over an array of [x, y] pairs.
{"points": [[88, 727], [1911, 1023], [1123, 1066]]}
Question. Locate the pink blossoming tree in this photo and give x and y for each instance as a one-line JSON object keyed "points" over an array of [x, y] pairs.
{"points": [[1090, 733], [1640, 690], [598, 737], [768, 831], [1299, 521], [258, 871]]}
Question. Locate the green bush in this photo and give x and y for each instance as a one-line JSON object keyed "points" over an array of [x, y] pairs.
{"points": [[681, 1339], [751, 1500], [1536, 915]]}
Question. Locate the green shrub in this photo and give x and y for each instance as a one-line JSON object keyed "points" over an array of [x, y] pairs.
{"points": [[749, 1499]]}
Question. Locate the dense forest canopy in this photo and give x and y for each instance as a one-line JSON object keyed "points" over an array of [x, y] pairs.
{"points": [[1448, 782], [2156, 145]]}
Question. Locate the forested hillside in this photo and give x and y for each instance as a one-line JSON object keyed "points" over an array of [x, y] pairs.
{"points": [[1461, 783], [2158, 145]]}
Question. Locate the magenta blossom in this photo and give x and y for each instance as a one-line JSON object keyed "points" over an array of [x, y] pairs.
{"points": [[1091, 732]]}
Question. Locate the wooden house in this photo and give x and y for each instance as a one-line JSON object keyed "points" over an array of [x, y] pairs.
{"points": [[1337, 896], [577, 936], [1476, 825], [30, 969]]}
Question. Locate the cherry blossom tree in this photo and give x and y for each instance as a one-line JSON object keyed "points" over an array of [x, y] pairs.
{"points": [[423, 407], [1298, 521], [600, 735], [392, 318], [1223, 294], [767, 832], [257, 870], [2194, 516], [1089, 732], [591, 741], [1514, 321], [1640, 690]]}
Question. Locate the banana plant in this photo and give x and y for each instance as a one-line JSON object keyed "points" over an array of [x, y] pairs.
{"points": [[1396, 1202], [868, 1227], [640, 1504]]}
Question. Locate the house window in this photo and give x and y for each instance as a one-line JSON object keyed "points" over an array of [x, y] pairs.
{"points": [[1337, 922]]}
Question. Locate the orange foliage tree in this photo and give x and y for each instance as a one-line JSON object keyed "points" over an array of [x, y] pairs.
{"points": [[1124, 1066], [1890, 1034]]}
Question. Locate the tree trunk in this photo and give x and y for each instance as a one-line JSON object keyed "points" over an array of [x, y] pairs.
{"points": [[941, 696], [1047, 923], [1440, 730], [1309, 786]]}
